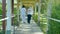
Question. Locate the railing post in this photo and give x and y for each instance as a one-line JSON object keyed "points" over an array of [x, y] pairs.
{"points": [[4, 15], [8, 23], [35, 9], [12, 11], [49, 7], [39, 9]]}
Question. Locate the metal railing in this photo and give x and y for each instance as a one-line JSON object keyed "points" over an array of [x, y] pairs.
{"points": [[53, 19], [7, 17]]}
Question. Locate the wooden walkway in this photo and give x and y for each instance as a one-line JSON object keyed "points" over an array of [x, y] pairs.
{"points": [[26, 28]]}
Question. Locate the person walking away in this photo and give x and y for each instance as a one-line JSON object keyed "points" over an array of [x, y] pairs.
{"points": [[23, 13], [29, 14]]}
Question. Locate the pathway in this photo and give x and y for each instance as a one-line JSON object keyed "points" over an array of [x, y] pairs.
{"points": [[26, 28]]}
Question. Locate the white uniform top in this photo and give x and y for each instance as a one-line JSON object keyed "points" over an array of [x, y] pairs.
{"points": [[30, 11], [23, 14], [23, 11]]}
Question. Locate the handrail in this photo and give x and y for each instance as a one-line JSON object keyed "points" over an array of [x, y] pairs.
{"points": [[7, 18], [52, 18]]}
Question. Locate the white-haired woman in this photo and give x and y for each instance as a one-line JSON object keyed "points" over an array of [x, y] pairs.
{"points": [[29, 14]]}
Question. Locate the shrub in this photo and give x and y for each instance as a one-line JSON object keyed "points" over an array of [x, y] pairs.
{"points": [[54, 27]]}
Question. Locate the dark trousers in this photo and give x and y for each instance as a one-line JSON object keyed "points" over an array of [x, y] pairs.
{"points": [[29, 18]]}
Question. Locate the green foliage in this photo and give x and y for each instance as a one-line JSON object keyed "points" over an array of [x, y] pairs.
{"points": [[15, 21], [54, 27], [35, 17], [0, 32], [0, 9], [0, 17], [43, 21], [15, 11], [43, 6]]}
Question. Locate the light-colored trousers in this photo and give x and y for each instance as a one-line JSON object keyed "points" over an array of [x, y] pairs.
{"points": [[23, 17]]}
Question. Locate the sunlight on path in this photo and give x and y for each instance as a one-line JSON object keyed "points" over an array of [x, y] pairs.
{"points": [[26, 28]]}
